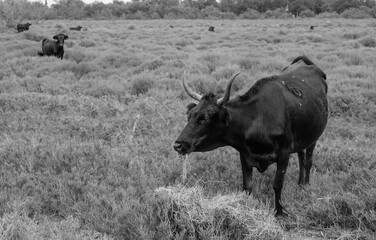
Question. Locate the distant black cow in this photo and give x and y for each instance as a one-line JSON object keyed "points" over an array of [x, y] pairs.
{"points": [[55, 48], [211, 29], [23, 27], [312, 27], [78, 28]]}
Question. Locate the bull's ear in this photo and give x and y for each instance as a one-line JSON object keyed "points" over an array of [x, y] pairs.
{"points": [[190, 106], [55, 37], [225, 116], [66, 37]]}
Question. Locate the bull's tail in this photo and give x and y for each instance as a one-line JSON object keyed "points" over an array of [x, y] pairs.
{"points": [[305, 60]]}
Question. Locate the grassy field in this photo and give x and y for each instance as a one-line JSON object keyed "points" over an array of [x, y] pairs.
{"points": [[86, 142]]}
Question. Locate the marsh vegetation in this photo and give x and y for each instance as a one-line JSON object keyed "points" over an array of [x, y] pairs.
{"points": [[86, 142]]}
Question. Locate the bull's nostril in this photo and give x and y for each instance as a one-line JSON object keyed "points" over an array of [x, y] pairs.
{"points": [[177, 146]]}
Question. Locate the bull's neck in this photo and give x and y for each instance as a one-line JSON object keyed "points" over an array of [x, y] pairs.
{"points": [[235, 132]]}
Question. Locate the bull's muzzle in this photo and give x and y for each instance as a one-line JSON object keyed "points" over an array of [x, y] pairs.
{"points": [[181, 147]]}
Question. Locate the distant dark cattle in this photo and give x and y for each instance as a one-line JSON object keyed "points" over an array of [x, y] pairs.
{"points": [[312, 27], [53, 47], [78, 28], [278, 116], [211, 29], [23, 27]]}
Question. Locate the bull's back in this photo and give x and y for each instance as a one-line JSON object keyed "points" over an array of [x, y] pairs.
{"points": [[48, 47], [20, 27]]}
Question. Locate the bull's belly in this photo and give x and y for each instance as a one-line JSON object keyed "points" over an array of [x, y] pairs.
{"points": [[306, 135], [308, 125]]}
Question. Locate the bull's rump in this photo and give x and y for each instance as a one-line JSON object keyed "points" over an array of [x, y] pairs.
{"points": [[304, 91]]}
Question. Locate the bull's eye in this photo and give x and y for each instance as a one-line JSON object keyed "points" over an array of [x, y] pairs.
{"points": [[201, 119]]}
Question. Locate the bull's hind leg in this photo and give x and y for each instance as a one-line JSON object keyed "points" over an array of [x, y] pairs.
{"points": [[301, 167], [305, 164], [308, 162]]}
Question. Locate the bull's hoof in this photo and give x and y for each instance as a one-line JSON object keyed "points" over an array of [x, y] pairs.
{"points": [[248, 191], [303, 183], [280, 214]]}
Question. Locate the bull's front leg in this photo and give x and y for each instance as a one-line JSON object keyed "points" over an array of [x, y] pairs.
{"points": [[247, 175], [282, 164]]}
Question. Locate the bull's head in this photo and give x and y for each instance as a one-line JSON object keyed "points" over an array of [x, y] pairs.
{"points": [[59, 39], [207, 121]]}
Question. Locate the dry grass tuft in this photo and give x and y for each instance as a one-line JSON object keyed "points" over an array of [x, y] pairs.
{"points": [[19, 226], [32, 36], [87, 43], [141, 85], [354, 35], [189, 213]]}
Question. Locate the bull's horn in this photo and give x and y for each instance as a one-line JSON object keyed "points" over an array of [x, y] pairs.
{"points": [[226, 97], [190, 92]]}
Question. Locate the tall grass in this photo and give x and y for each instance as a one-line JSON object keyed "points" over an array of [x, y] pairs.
{"points": [[86, 142]]}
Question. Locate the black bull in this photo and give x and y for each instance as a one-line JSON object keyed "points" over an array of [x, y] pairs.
{"points": [[54, 47], [278, 116]]}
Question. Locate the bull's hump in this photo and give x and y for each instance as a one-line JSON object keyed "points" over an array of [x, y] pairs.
{"points": [[256, 88]]}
